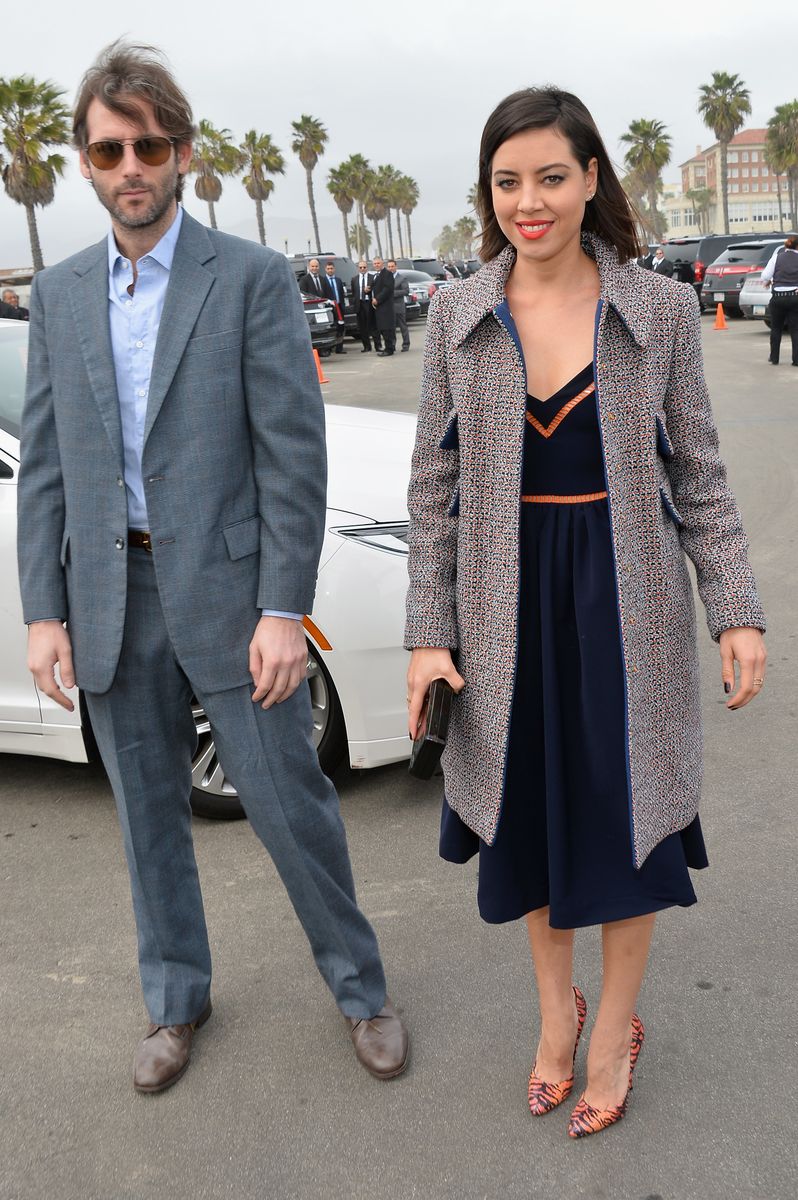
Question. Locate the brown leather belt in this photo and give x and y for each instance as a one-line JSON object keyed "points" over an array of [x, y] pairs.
{"points": [[139, 539]]}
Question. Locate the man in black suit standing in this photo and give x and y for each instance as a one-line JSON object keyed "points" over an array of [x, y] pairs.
{"points": [[660, 265], [382, 302], [334, 290], [361, 298], [311, 282], [401, 290]]}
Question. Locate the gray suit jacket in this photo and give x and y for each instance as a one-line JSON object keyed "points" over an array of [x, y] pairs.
{"points": [[234, 460]]}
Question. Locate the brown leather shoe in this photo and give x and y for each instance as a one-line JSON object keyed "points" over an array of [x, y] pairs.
{"points": [[163, 1054], [381, 1042]]}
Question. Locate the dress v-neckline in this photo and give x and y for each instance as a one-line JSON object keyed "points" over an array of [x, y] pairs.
{"points": [[565, 387]]}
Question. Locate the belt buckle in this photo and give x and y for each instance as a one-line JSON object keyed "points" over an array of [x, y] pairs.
{"points": [[146, 542]]}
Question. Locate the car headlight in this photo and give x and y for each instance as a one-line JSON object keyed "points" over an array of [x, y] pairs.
{"points": [[390, 537]]}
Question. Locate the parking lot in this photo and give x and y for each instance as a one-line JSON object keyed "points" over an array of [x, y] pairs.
{"points": [[274, 1105]]}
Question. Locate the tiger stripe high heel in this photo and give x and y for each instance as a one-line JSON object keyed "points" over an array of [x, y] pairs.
{"points": [[585, 1119], [543, 1096]]}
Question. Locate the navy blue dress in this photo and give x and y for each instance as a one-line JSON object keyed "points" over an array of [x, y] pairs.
{"points": [[564, 836]]}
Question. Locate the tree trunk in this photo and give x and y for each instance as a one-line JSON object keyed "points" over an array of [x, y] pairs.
{"points": [[312, 203], [376, 225], [261, 226], [390, 234], [346, 235], [778, 200], [399, 231], [652, 209], [409, 237], [213, 214], [33, 233], [724, 186]]}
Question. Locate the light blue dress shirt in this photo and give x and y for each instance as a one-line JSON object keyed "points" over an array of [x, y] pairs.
{"points": [[134, 316]]}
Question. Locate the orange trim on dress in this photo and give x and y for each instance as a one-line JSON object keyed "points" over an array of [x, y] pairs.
{"points": [[583, 499], [548, 430]]}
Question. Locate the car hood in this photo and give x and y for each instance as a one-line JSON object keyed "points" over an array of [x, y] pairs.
{"points": [[368, 455]]}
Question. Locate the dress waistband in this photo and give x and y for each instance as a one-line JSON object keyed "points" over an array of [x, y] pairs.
{"points": [[583, 499]]}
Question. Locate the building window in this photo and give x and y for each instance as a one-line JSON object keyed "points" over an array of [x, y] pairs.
{"points": [[754, 187], [754, 171], [745, 187], [745, 156], [754, 156], [734, 173], [765, 171], [732, 156], [734, 187]]}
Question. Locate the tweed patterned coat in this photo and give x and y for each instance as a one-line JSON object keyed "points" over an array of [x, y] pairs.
{"points": [[667, 495]]}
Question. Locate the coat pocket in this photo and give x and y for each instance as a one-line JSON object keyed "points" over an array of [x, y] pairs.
{"points": [[664, 443], [243, 537], [670, 508]]}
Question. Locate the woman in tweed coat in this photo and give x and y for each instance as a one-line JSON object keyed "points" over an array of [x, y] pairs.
{"points": [[608, 738]]}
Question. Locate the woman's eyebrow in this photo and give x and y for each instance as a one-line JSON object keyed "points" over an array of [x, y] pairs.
{"points": [[538, 170]]}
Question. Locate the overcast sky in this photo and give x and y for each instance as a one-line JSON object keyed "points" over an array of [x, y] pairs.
{"points": [[410, 84]]}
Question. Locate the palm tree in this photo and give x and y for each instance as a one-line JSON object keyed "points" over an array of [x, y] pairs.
{"points": [[649, 151], [702, 200], [358, 171], [385, 182], [724, 104], [410, 195], [339, 185], [362, 238], [374, 207], [32, 118], [260, 158], [465, 230], [309, 140], [471, 198], [782, 153], [215, 155]]}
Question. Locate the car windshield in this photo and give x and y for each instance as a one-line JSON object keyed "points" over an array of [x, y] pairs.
{"points": [[746, 254], [13, 361]]}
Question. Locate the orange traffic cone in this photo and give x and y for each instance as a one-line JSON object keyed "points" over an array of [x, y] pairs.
{"points": [[319, 371], [720, 320]]}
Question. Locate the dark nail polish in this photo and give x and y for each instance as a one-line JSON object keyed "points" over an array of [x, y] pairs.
{"points": [[727, 688]]}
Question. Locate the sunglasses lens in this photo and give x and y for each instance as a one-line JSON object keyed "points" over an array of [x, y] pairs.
{"points": [[105, 155], [153, 151]]}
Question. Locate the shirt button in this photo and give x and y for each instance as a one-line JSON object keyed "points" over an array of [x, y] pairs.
{"points": [[128, 303], [142, 392], [120, 481], [120, 543], [139, 345]]}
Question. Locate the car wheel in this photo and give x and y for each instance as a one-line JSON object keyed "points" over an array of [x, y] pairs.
{"points": [[214, 796]]}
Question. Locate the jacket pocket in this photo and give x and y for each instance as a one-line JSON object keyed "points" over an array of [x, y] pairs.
{"points": [[64, 553], [243, 537], [664, 443], [451, 438], [670, 508]]}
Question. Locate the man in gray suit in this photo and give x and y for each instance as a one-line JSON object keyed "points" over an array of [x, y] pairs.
{"points": [[165, 550]]}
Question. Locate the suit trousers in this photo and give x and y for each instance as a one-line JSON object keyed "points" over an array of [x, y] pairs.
{"points": [[146, 735], [365, 323], [783, 311], [401, 322]]}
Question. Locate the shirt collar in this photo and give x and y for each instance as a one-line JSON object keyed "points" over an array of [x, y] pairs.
{"points": [[163, 252]]}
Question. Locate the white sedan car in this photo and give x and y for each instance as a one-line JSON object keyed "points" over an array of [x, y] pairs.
{"points": [[356, 664]]}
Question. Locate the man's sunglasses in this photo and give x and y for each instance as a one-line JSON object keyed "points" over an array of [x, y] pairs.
{"points": [[153, 151]]}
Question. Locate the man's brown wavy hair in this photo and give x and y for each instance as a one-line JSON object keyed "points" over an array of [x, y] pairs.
{"points": [[610, 213], [120, 78]]}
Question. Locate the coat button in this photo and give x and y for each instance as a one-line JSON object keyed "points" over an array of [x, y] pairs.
{"points": [[610, 416], [120, 543]]}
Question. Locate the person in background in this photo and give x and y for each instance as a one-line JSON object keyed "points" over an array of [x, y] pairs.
{"points": [[382, 303], [311, 283], [334, 290], [10, 299], [660, 265], [401, 290], [167, 556], [781, 273], [566, 460], [360, 288]]}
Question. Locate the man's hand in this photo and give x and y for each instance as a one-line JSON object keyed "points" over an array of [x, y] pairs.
{"points": [[278, 659], [48, 644]]}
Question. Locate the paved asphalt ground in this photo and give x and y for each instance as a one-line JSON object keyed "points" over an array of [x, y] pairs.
{"points": [[275, 1106]]}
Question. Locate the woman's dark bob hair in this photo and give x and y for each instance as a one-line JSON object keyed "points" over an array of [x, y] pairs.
{"points": [[609, 214]]}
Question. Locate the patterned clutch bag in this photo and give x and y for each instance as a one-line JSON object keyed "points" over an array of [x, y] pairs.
{"points": [[428, 747]]}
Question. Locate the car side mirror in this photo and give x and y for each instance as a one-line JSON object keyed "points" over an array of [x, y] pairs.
{"points": [[6, 471]]}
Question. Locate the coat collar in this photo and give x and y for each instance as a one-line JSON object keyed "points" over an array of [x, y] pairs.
{"points": [[618, 282]]}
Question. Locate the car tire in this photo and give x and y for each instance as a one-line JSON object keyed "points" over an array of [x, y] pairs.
{"points": [[212, 794]]}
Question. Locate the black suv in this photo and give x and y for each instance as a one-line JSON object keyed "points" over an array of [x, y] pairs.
{"points": [[692, 255], [345, 270], [724, 279]]}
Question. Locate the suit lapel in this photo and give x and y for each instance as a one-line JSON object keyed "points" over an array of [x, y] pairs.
{"points": [[89, 300], [189, 284]]}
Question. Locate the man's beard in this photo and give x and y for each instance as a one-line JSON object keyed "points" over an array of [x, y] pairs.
{"points": [[162, 197]]}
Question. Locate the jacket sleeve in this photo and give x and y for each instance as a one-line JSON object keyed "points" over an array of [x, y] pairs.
{"points": [[712, 532], [286, 419], [431, 603], [40, 491]]}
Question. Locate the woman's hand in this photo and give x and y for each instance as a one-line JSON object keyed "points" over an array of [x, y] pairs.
{"points": [[427, 663], [747, 646]]}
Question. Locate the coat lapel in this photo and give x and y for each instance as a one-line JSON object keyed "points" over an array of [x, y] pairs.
{"points": [[189, 283], [89, 300]]}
